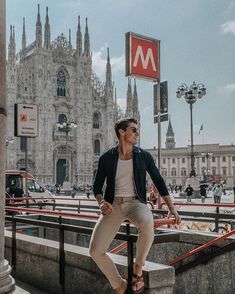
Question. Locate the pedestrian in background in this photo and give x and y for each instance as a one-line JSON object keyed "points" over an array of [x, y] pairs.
{"points": [[153, 197], [217, 192], [203, 193], [189, 192]]}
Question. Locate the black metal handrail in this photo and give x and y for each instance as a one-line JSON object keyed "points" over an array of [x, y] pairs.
{"points": [[130, 238]]}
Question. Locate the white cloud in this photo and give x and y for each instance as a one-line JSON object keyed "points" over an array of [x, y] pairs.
{"points": [[228, 27], [98, 63], [99, 60], [229, 89], [118, 63], [147, 109], [122, 103]]}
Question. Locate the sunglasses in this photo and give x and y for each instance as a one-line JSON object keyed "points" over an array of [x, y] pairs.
{"points": [[134, 130]]}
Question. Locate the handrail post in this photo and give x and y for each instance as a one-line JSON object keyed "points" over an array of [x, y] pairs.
{"points": [[13, 243], [217, 220], [61, 255], [130, 256], [79, 202]]}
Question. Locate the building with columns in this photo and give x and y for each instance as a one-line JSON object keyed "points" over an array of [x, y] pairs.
{"points": [[213, 160], [60, 80]]}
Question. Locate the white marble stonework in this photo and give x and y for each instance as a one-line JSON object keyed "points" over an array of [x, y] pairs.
{"points": [[59, 78]]}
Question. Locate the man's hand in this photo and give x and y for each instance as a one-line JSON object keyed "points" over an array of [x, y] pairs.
{"points": [[172, 210], [176, 215], [105, 207]]}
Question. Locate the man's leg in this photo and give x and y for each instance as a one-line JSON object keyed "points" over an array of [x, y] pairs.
{"points": [[103, 234], [140, 215]]}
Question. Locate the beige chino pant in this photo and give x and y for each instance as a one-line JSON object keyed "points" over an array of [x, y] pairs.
{"points": [[124, 208]]}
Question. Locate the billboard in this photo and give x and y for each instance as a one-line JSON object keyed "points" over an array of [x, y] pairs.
{"points": [[142, 57], [26, 120], [163, 98]]}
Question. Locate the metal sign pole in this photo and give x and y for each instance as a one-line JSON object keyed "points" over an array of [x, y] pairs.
{"points": [[159, 110], [26, 172], [159, 124]]}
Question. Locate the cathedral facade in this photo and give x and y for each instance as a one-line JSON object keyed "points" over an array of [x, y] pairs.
{"points": [[60, 80]]}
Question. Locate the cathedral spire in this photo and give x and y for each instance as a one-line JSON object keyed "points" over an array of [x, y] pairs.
{"points": [[11, 47], [47, 32], [79, 38], [38, 30], [129, 100], [70, 44], [86, 41], [23, 36], [170, 137], [108, 71]]}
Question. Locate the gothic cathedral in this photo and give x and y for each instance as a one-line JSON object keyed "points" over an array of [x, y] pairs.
{"points": [[60, 80]]}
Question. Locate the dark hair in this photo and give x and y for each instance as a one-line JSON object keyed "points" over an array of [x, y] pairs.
{"points": [[123, 124]]}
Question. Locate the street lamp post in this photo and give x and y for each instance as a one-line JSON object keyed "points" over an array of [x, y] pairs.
{"points": [[191, 94], [8, 141], [66, 126], [207, 155]]}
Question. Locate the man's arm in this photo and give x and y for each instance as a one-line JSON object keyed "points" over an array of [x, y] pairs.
{"points": [[156, 176], [99, 178], [172, 209], [161, 186]]}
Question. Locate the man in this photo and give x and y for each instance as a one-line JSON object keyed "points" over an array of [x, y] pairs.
{"points": [[189, 191], [124, 169], [203, 193], [217, 192]]}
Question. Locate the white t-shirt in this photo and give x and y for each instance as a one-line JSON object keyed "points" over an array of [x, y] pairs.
{"points": [[124, 186]]}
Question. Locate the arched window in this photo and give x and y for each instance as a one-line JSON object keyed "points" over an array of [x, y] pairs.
{"points": [[62, 118], [96, 121], [61, 84], [164, 172], [173, 172], [97, 147], [183, 172]]}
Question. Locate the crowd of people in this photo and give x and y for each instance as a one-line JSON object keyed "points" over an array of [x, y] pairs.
{"points": [[217, 190], [58, 189]]}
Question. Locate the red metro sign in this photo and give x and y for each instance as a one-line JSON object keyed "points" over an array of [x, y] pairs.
{"points": [[142, 57]]}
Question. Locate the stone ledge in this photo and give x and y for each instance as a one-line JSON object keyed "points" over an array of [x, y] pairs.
{"points": [[37, 264]]}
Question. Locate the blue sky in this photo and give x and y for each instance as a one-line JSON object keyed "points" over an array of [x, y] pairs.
{"points": [[197, 44]]}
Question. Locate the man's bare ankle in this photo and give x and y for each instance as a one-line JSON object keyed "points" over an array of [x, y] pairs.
{"points": [[122, 288], [137, 270]]}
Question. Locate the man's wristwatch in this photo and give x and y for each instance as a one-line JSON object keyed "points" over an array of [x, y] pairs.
{"points": [[102, 201]]}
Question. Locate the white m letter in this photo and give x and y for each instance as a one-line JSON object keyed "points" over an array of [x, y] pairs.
{"points": [[144, 61]]}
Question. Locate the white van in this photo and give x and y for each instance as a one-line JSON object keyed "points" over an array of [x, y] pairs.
{"points": [[17, 178]]}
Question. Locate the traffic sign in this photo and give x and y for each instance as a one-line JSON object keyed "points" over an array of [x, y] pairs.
{"points": [[26, 120], [142, 57], [163, 117], [163, 98]]}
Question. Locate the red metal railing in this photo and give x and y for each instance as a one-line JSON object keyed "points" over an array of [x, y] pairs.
{"points": [[200, 248], [201, 204], [156, 223], [49, 212], [50, 198]]}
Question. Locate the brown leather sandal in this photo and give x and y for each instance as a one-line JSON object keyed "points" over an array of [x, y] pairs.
{"points": [[134, 284]]}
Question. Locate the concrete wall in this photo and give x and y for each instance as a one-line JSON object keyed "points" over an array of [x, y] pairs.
{"points": [[217, 276], [37, 264]]}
